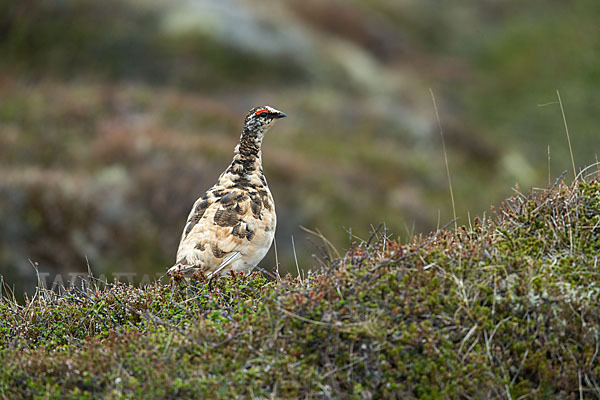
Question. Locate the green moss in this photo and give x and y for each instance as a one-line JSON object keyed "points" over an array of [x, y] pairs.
{"points": [[508, 306]]}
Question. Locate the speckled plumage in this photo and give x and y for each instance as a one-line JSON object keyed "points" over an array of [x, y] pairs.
{"points": [[232, 226]]}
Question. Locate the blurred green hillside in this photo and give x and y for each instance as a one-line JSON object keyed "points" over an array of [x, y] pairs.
{"points": [[116, 115]]}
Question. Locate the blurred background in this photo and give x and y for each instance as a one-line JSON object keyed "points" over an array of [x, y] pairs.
{"points": [[116, 114]]}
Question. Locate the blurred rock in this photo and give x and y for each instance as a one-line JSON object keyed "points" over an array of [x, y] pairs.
{"points": [[115, 115]]}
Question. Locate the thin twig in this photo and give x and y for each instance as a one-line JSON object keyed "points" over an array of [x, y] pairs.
{"points": [[301, 318], [373, 234], [437, 115], [276, 260], [350, 365], [596, 164], [562, 110], [296, 259], [323, 238], [549, 174]]}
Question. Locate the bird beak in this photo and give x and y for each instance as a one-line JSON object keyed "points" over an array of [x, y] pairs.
{"points": [[281, 114]]}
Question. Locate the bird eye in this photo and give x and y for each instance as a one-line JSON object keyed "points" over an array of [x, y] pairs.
{"points": [[263, 113]]}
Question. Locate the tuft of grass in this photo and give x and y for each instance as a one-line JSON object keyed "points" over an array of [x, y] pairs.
{"points": [[506, 307]]}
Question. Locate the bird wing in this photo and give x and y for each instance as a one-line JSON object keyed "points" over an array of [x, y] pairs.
{"points": [[228, 260], [221, 223], [186, 269]]}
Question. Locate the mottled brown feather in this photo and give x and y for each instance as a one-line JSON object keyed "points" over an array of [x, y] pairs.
{"points": [[236, 217]]}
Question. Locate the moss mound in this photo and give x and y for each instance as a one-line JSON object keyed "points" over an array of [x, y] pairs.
{"points": [[507, 307]]}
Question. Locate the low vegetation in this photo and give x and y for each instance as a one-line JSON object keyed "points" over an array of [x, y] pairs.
{"points": [[504, 307]]}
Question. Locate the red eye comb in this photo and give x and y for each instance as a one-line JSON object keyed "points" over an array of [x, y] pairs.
{"points": [[261, 111]]}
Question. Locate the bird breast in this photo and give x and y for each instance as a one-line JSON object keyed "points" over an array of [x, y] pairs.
{"points": [[236, 215]]}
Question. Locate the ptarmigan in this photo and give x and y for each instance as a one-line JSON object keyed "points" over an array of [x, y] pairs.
{"points": [[232, 226]]}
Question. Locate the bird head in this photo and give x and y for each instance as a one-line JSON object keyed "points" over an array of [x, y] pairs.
{"points": [[262, 118]]}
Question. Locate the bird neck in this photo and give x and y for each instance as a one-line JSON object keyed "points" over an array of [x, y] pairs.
{"points": [[251, 142], [248, 156]]}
